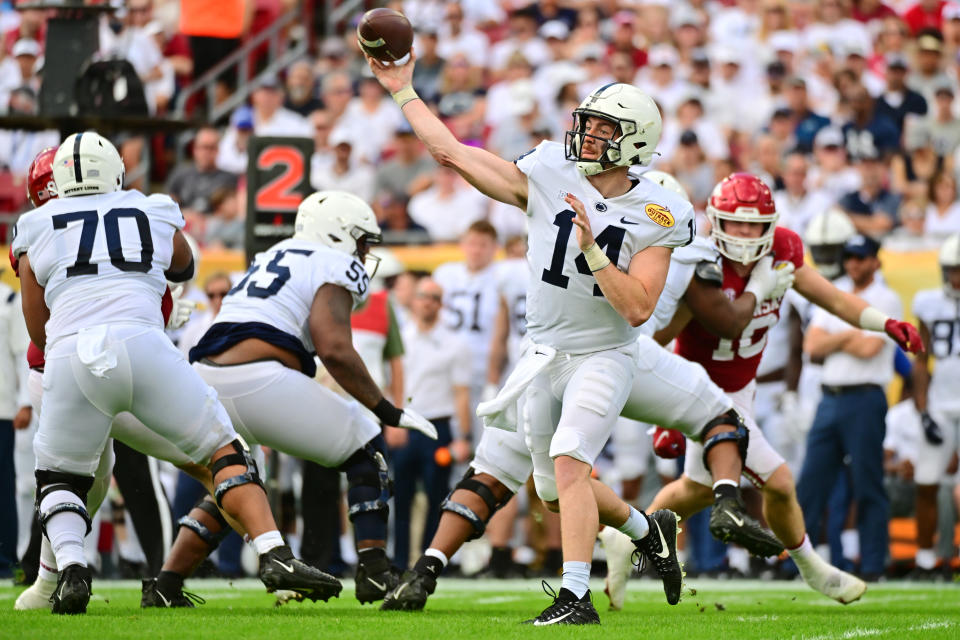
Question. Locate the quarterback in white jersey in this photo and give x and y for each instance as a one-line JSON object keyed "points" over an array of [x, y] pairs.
{"points": [[294, 301], [935, 395], [583, 281], [666, 390], [93, 266]]}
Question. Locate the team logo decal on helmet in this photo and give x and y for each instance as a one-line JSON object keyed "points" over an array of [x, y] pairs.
{"points": [[40, 184], [85, 164], [742, 197]]}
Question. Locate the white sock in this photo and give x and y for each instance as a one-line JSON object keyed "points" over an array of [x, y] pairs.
{"points": [[732, 483], [576, 577], [850, 541], [66, 529], [926, 559], [636, 525], [439, 555], [804, 556], [48, 562], [267, 541]]}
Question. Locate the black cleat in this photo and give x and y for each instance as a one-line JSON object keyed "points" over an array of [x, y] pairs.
{"points": [[279, 569], [566, 609], [73, 590], [411, 594], [729, 522], [151, 595], [659, 548], [375, 579]]}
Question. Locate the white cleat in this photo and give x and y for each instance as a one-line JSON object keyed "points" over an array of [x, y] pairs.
{"points": [[36, 596], [618, 548], [837, 584]]}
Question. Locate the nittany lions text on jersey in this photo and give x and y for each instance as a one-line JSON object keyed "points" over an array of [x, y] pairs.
{"points": [[272, 302], [100, 258], [940, 313], [565, 307]]}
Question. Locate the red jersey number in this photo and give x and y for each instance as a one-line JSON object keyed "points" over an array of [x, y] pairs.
{"points": [[750, 343]]}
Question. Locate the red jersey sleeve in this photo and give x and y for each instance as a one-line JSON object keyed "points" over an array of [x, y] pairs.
{"points": [[14, 263], [787, 247]]}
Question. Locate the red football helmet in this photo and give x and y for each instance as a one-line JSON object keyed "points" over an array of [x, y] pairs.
{"points": [[40, 184], [742, 197]]}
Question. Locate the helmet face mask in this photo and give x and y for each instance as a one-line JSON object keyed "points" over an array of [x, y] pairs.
{"points": [[341, 221], [828, 259], [742, 197], [609, 147], [637, 123]]}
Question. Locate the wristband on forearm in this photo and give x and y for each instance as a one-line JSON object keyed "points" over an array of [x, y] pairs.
{"points": [[387, 413], [596, 258], [405, 95], [872, 319]]}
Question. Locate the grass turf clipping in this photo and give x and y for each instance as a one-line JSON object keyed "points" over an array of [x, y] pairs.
{"points": [[472, 609]]}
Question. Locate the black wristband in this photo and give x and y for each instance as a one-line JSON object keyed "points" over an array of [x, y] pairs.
{"points": [[387, 413], [466, 437]]}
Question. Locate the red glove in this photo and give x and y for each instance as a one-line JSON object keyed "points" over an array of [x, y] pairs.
{"points": [[905, 335], [668, 443]]}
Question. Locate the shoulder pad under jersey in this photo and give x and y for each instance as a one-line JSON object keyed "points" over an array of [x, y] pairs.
{"points": [[709, 272]]}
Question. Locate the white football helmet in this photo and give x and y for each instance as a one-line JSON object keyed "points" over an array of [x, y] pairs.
{"points": [[667, 181], [949, 260], [825, 236], [341, 221], [87, 163], [638, 128]]}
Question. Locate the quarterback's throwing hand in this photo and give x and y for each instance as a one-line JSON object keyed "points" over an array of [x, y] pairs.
{"points": [[182, 308], [584, 232], [393, 77]]}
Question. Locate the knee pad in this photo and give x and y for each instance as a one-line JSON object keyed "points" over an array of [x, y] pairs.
{"points": [[241, 457], [212, 538], [51, 481], [369, 485], [468, 483], [740, 435]]}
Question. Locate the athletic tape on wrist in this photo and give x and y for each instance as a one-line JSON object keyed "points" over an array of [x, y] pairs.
{"points": [[872, 319], [405, 95], [596, 258]]}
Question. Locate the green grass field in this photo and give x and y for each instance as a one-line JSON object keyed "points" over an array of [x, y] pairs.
{"points": [[493, 609]]}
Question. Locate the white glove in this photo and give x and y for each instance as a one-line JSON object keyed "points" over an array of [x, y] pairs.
{"points": [[793, 419], [769, 283], [490, 392], [182, 308], [410, 419]]}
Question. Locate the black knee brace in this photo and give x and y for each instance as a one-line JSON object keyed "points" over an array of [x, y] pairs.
{"points": [[212, 538], [50, 481], [241, 457], [369, 485], [476, 487], [740, 435]]}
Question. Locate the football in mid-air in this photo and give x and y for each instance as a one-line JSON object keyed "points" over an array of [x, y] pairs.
{"points": [[385, 34]]}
